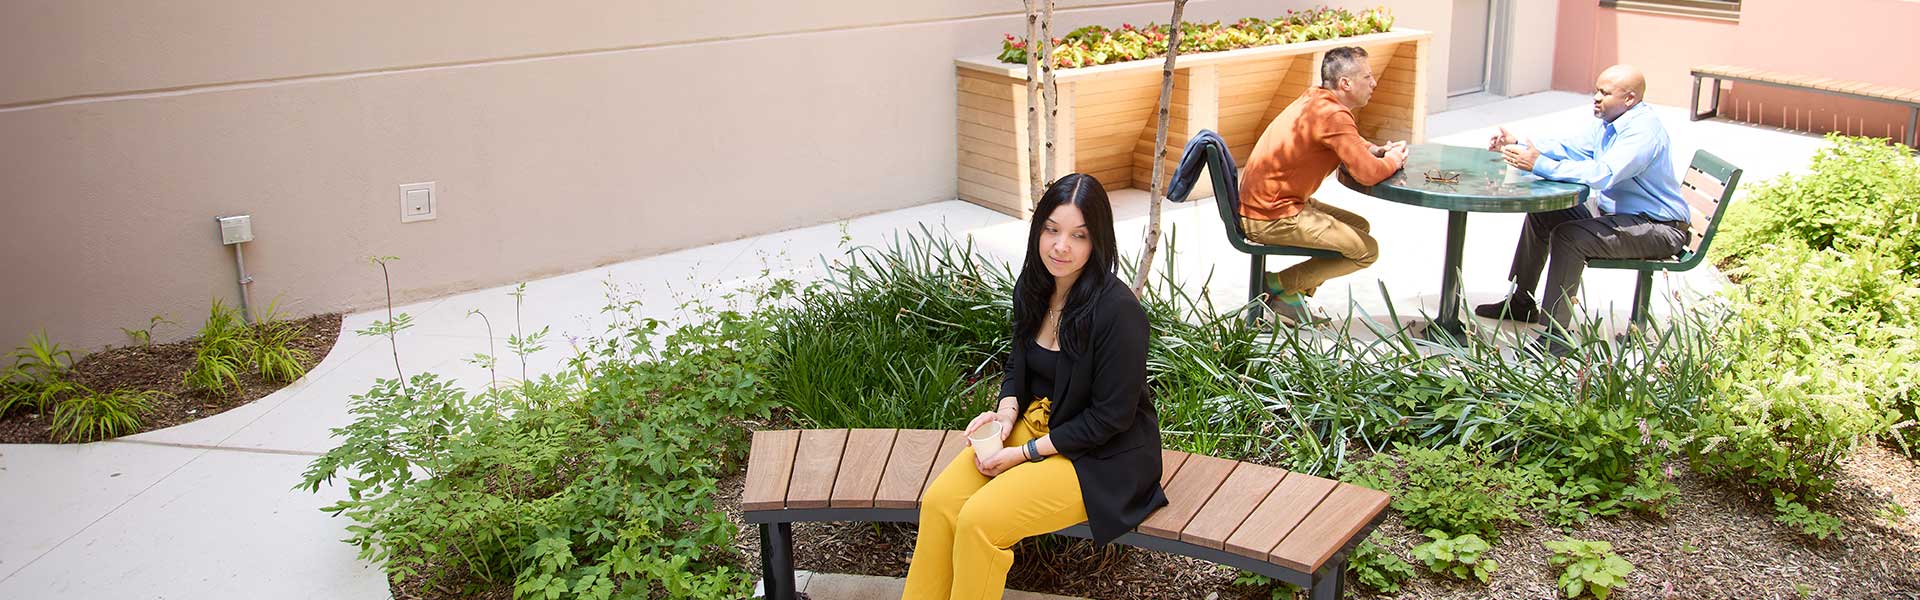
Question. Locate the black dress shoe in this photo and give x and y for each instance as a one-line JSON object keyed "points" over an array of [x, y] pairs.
{"points": [[1518, 307], [1548, 346]]}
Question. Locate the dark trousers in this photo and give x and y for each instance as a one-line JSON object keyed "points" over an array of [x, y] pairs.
{"points": [[1564, 240]]}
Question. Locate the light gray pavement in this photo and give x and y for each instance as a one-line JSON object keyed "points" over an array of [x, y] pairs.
{"points": [[208, 509]]}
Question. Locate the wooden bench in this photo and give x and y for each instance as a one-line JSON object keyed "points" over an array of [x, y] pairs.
{"points": [[1218, 161], [1708, 188], [1291, 527], [1907, 97]]}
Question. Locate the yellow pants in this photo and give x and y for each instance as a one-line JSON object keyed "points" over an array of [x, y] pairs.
{"points": [[969, 523]]}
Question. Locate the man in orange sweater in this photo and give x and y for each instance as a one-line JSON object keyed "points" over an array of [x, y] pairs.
{"points": [[1312, 137]]}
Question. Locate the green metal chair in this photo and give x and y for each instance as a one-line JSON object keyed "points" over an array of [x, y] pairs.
{"points": [[1708, 187], [1209, 148]]}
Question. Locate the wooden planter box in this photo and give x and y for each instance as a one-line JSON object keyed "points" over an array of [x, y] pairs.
{"points": [[1106, 117]]}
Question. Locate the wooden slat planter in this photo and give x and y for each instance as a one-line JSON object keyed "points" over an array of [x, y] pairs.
{"points": [[1289, 526], [1106, 117]]}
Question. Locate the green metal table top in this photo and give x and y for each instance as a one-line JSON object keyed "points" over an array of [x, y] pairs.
{"points": [[1458, 178]]}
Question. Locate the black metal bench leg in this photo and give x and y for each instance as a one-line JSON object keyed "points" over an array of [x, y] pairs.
{"points": [[1642, 297], [1256, 284], [1693, 106], [776, 561], [1330, 582]]}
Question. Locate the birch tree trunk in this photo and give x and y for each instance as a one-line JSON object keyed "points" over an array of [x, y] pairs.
{"points": [[1048, 92], [1155, 191], [1036, 158]]}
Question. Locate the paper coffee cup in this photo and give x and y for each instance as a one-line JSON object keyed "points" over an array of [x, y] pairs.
{"points": [[986, 439]]}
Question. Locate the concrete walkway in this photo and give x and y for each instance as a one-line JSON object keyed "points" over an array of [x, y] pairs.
{"points": [[208, 509]]}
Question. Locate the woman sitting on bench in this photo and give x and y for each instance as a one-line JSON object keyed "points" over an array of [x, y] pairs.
{"points": [[1082, 442]]}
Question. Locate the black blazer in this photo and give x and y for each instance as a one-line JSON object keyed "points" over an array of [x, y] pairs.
{"points": [[1101, 417]]}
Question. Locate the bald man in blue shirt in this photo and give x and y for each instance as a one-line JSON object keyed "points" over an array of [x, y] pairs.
{"points": [[1634, 208]]}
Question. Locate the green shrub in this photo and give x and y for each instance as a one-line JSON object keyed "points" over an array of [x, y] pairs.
{"points": [[1375, 567], [1856, 191], [1447, 489], [1097, 45], [1588, 567], [1459, 557], [90, 415], [596, 482]]}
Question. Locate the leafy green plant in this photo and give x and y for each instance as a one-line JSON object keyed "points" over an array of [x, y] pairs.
{"points": [[90, 415], [1893, 514], [594, 482], [1447, 489], [1276, 589], [1460, 557], [1376, 567], [1588, 567], [144, 336], [393, 325], [220, 352], [1805, 519]]}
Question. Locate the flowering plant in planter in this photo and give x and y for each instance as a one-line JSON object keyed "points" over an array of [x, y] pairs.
{"points": [[1097, 45]]}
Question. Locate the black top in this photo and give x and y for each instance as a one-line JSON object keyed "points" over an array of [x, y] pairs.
{"points": [[1042, 365], [1101, 418]]}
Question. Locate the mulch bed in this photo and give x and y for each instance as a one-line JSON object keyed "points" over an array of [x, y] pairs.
{"points": [[1716, 543], [160, 367]]}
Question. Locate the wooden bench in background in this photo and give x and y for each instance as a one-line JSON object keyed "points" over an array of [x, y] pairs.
{"points": [[1291, 527], [1907, 97]]}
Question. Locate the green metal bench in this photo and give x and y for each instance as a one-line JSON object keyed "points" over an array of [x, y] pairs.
{"points": [[1209, 150], [1708, 187]]}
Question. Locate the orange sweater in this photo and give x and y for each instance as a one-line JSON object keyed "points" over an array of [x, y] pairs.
{"points": [[1300, 149]]}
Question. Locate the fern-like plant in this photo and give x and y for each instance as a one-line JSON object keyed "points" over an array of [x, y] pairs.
{"points": [[96, 416]]}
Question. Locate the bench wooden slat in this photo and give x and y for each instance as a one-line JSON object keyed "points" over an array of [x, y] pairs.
{"points": [[1199, 476], [1244, 489], [1708, 186], [861, 466], [769, 467], [1278, 515], [909, 466], [814, 467], [1338, 518], [950, 447], [1170, 461], [1700, 215]]}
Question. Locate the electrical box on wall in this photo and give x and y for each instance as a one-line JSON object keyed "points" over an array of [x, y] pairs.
{"points": [[235, 229], [418, 202]]}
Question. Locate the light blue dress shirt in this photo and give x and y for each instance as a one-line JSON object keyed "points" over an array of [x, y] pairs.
{"points": [[1626, 163]]}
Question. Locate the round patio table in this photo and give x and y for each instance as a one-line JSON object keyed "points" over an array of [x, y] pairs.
{"points": [[1461, 180]]}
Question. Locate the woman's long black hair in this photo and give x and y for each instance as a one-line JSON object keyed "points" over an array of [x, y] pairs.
{"points": [[1034, 287]]}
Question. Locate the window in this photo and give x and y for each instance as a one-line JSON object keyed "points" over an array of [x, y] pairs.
{"points": [[1724, 10]]}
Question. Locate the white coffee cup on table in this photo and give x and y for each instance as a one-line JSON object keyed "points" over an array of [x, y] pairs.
{"points": [[986, 439]]}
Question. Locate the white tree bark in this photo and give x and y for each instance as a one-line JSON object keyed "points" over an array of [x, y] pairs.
{"points": [[1036, 154], [1155, 190], [1048, 92]]}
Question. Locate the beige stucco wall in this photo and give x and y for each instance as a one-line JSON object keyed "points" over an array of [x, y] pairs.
{"points": [[562, 135]]}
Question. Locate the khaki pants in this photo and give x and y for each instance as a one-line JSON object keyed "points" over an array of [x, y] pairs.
{"points": [[1320, 226], [969, 523]]}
